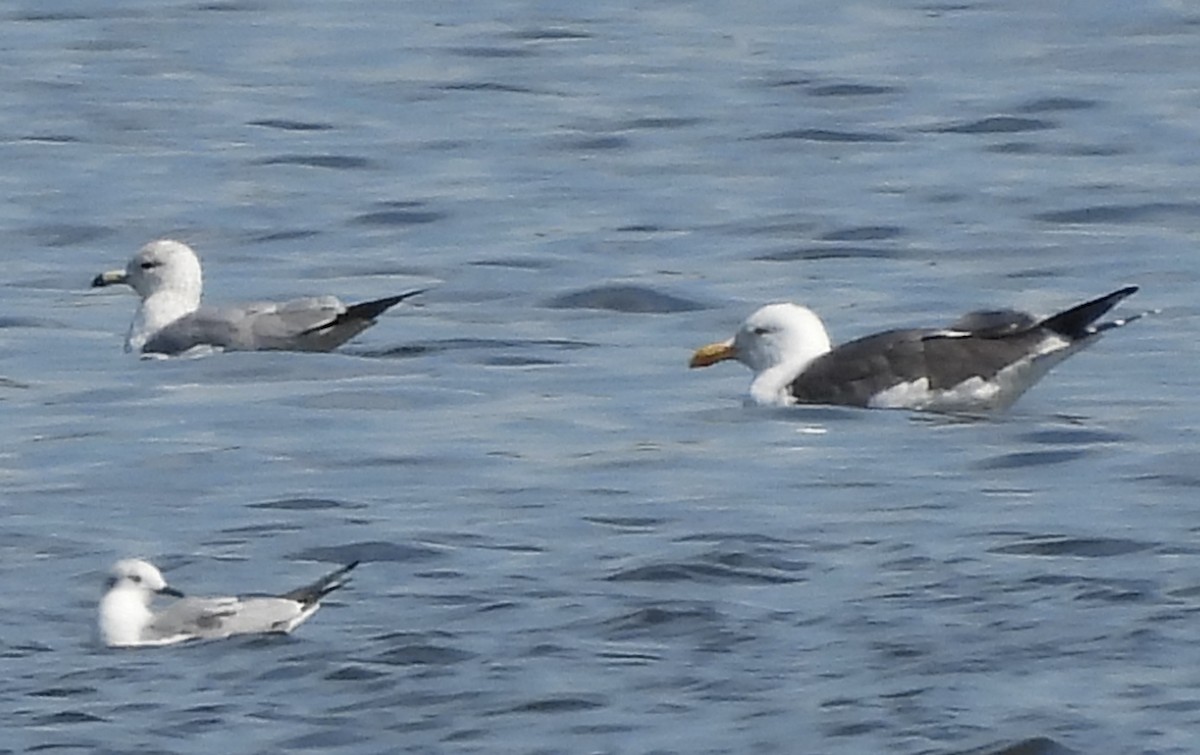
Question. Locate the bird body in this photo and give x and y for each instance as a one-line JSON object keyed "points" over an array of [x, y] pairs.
{"points": [[983, 362], [127, 619], [171, 319]]}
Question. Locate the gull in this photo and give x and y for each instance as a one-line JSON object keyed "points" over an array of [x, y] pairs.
{"points": [[983, 362], [171, 320], [127, 619]]}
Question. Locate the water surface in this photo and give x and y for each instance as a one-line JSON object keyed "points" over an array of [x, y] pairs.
{"points": [[571, 542]]}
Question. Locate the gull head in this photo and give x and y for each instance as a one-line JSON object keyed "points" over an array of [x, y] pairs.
{"points": [[777, 342], [125, 609], [775, 335], [162, 266], [139, 578]]}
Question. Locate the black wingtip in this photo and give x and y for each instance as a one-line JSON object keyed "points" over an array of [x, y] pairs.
{"points": [[338, 575], [369, 310], [1077, 322], [313, 593]]}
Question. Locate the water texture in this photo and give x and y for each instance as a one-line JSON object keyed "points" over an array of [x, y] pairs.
{"points": [[571, 543]]}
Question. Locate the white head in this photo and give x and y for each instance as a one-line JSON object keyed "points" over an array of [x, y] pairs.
{"points": [[162, 266], [777, 342], [140, 576], [166, 274], [125, 608], [165, 265]]}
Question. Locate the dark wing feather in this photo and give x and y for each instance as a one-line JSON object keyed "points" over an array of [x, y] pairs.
{"points": [[993, 322], [369, 310], [954, 360], [980, 344], [355, 319], [853, 373], [312, 593], [1077, 322]]}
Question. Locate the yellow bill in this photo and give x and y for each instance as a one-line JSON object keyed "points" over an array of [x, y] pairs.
{"points": [[713, 353]]}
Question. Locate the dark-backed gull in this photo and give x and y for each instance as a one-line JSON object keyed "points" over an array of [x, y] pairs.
{"points": [[983, 362]]}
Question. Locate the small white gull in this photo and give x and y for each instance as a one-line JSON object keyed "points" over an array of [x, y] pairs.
{"points": [[983, 362], [170, 320], [127, 619]]}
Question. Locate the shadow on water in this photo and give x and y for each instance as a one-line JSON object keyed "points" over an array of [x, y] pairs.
{"points": [[624, 298], [1032, 746], [567, 542]]}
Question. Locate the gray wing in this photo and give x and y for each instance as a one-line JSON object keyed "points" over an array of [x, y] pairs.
{"points": [[265, 615], [264, 326], [205, 327], [314, 324], [854, 372], [193, 617], [211, 618], [291, 326]]}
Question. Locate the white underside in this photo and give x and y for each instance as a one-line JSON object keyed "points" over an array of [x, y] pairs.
{"points": [[160, 642], [975, 394], [196, 352], [156, 313], [772, 387]]}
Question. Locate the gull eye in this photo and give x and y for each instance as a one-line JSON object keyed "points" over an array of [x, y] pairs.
{"points": [[135, 579], [148, 265], [761, 331]]}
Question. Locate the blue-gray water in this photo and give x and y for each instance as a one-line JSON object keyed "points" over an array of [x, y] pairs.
{"points": [[572, 543]]}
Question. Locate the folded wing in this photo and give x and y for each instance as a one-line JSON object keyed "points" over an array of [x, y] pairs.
{"points": [[190, 618], [309, 324]]}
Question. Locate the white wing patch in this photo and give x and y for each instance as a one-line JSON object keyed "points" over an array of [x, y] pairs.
{"points": [[976, 394], [949, 333]]}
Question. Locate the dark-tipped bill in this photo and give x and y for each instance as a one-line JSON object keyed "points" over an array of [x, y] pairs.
{"points": [[111, 278]]}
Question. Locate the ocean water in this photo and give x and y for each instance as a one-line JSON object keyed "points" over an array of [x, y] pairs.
{"points": [[572, 543]]}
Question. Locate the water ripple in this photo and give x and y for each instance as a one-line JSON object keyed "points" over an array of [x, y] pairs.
{"points": [[1121, 213], [832, 136], [1094, 547], [333, 162], [368, 551], [1000, 124], [624, 298]]}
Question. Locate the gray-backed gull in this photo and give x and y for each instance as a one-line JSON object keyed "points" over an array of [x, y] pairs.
{"points": [[170, 319], [127, 619]]}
